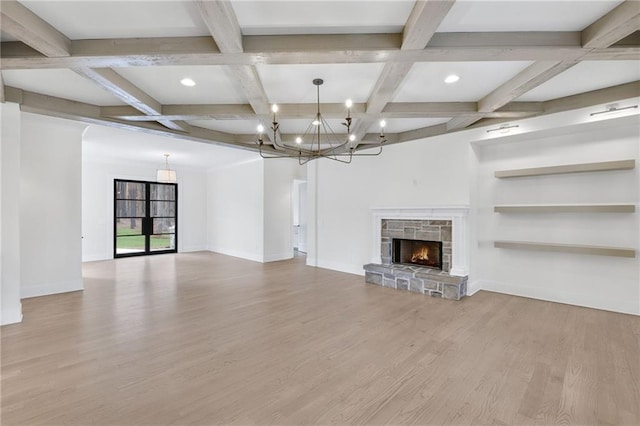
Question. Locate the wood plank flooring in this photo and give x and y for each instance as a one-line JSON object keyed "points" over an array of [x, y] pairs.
{"points": [[203, 338]]}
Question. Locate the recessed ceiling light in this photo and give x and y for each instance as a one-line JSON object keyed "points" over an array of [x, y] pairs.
{"points": [[452, 78], [187, 82]]}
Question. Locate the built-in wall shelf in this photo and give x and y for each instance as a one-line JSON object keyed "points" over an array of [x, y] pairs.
{"points": [[566, 208], [567, 248], [568, 168]]}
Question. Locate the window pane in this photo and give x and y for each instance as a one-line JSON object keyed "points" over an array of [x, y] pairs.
{"points": [[130, 190], [162, 242], [163, 209], [163, 192], [128, 227], [164, 226], [130, 208], [134, 244]]}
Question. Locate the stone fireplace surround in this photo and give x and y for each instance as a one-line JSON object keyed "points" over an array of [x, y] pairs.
{"points": [[443, 223]]}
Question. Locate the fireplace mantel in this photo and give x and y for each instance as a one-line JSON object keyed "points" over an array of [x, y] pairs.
{"points": [[456, 214]]}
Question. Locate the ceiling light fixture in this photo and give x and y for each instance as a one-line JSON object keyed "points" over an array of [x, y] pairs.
{"points": [[318, 140], [505, 128], [166, 175], [452, 78], [613, 109], [187, 82]]}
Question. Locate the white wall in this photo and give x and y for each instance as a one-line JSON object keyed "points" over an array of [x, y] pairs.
{"points": [[596, 281], [10, 214], [97, 204], [249, 209], [50, 205], [235, 210], [341, 196], [279, 176]]}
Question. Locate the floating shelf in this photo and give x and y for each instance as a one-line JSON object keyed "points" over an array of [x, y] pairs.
{"points": [[566, 208], [567, 248], [568, 168]]}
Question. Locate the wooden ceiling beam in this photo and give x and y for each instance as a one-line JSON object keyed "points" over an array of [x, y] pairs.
{"points": [[423, 21], [421, 25], [534, 75], [583, 100], [15, 56], [88, 113], [222, 23], [595, 97], [225, 30], [1, 89], [614, 26], [126, 91], [330, 111], [26, 26]]}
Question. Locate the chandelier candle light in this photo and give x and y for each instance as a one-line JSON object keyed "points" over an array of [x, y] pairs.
{"points": [[318, 140], [166, 175]]}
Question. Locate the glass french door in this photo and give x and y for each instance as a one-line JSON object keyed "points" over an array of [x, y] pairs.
{"points": [[145, 218]]}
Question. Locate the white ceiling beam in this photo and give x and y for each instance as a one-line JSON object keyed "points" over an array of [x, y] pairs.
{"points": [[127, 92], [32, 30], [614, 26]]}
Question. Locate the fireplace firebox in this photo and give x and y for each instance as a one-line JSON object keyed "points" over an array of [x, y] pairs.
{"points": [[417, 252]]}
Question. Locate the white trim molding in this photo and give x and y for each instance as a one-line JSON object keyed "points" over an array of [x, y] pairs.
{"points": [[458, 215]]}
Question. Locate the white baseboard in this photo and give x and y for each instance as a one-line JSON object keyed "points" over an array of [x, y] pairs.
{"points": [[50, 288], [474, 286], [278, 256], [189, 249], [555, 295], [342, 267], [13, 315], [96, 257], [237, 253]]}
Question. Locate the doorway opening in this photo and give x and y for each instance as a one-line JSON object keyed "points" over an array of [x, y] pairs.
{"points": [[299, 204], [145, 219]]}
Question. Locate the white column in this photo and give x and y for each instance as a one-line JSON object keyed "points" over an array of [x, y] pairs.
{"points": [[10, 213]]}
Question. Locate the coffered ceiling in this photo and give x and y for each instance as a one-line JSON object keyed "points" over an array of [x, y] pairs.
{"points": [[119, 63]]}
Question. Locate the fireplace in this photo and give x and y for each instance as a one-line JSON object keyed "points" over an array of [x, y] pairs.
{"points": [[436, 240], [417, 252]]}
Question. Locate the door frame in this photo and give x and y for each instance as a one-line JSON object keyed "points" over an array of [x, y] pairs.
{"points": [[147, 251]]}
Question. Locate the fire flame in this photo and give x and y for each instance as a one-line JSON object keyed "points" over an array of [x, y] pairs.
{"points": [[423, 255]]}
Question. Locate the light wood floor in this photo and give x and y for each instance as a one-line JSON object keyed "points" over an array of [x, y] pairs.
{"points": [[203, 338]]}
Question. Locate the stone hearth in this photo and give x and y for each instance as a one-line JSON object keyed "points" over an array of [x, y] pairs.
{"points": [[417, 279], [446, 224]]}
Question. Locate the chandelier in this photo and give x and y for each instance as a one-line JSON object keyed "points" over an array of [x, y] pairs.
{"points": [[318, 140], [166, 175]]}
